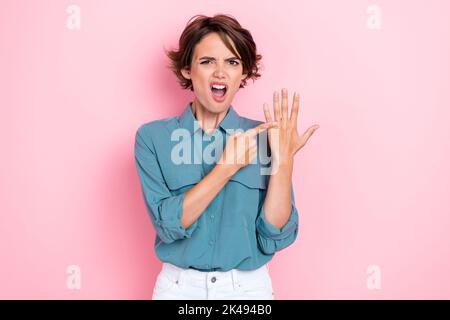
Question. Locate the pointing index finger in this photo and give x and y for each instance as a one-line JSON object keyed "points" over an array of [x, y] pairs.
{"points": [[260, 128]]}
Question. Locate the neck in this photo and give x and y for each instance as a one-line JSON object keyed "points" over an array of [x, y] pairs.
{"points": [[208, 120]]}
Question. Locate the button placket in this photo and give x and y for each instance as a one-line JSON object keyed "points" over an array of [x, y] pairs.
{"points": [[206, 168]]}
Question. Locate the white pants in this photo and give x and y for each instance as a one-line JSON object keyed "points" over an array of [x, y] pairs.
{"points": [[175, 283]]}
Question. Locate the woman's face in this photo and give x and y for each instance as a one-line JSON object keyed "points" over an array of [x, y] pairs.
{"points": [[212, 62]]}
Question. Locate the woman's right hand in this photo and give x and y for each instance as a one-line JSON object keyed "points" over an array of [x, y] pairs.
{"points": [[241, 147]]}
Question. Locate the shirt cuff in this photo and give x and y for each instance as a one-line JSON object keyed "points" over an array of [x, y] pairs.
{"points": [[269, 231], [170, 223]]}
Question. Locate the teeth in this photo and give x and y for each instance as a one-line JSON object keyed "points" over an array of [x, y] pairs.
{"points": [[218, 86]]}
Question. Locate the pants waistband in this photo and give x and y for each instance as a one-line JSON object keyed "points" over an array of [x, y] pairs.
{"points": [[208, 278]]}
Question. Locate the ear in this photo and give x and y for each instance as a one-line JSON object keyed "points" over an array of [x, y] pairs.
{"points": [[243, 76], [186, 73]]}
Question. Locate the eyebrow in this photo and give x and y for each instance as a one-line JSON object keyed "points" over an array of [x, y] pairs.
{"points": [[212, 58]]}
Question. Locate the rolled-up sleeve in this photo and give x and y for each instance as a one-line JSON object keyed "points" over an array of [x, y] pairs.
{"points": [[271, 238], [165, 210]]}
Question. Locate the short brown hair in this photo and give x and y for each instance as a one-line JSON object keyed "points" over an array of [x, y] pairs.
{"points": [[225, 25]]}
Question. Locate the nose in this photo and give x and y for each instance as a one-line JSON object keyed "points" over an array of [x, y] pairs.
{"points": [[218, 72]]}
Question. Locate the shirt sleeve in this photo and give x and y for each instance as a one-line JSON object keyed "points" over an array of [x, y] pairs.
{"points": [[165, 210], [271, 238]]}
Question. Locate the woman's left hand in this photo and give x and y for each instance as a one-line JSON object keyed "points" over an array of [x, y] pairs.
{"points": [[284, 139]]}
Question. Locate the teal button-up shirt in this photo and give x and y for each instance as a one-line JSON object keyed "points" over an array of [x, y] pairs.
{"points": [[232, 232]]}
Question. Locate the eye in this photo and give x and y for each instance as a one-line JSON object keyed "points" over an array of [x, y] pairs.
{"points": [[203, 62], [236, 63]]}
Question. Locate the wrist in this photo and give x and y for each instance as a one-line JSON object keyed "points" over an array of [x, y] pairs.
{"points": [[286, 166], [226, 170]]}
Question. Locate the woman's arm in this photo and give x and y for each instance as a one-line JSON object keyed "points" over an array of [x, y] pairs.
{"points": [[277, 222], [278, 202], [284, 143]]}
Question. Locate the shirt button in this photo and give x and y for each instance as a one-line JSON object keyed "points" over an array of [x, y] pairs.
{"points": [[213, 279], [207, 266], [211, 242], [212, 217]]}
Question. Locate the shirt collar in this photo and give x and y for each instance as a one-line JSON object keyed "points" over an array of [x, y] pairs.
{"points": [[188, 121]]}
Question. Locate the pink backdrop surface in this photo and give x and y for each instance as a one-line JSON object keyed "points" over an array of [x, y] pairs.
{"points": [[371, 186]]}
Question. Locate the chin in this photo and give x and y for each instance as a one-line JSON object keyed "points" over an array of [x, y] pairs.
{"points": [[218, 107]]}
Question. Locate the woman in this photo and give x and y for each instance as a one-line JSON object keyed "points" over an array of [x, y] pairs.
{"points": [[220, 213]]}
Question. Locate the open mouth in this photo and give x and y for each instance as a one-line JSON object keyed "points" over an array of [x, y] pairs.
{"points": [[218, 91]]}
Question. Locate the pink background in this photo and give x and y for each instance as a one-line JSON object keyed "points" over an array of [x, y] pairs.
{"points": [[371, 186]]}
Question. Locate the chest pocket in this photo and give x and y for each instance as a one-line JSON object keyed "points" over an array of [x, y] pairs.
{"points": [[244, 193], [181, 178]]}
